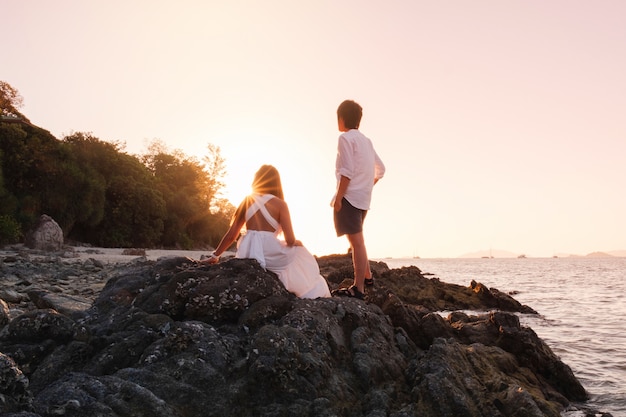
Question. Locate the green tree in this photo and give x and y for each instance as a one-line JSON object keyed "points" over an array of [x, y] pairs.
{"points": [[133, 207], [135, 213], [190, 190], [100, 194], [215, 168], [10, 101], [35, 169], [8, 202], [221, 210], [44, 176], [10, 229], [71, 192]]}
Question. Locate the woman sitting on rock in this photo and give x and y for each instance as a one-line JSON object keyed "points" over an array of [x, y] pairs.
{"points": [[265, 215]]}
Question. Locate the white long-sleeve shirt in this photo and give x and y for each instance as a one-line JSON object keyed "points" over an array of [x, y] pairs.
{"points": [[358, 161]]}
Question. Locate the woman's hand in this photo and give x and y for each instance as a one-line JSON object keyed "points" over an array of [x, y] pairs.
{"points": [[211, 259]]}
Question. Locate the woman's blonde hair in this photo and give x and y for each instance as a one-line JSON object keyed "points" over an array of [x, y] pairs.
{"points": [[267, 181]]}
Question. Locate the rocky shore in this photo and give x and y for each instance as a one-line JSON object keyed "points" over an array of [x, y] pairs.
{"points": [[170, 337]]}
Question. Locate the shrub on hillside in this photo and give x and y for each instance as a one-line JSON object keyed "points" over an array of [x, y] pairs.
{"points": [[9, 230]]}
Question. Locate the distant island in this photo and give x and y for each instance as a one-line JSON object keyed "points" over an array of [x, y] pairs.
{"points": [[493, 253], [612, 254]]}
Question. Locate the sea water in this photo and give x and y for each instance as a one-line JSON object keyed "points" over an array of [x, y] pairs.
{"points": [[581, 308]]}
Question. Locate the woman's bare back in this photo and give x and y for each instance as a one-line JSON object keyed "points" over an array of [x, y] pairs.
{"points": [[258, 222]]}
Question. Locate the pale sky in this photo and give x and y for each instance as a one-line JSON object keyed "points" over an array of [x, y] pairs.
{"points": [[502, 123]]}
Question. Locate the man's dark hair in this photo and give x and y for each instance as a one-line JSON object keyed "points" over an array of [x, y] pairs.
{"points": [[351, 112]]}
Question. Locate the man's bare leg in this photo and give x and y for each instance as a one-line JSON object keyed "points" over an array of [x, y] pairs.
{"points": [[359, 260]]}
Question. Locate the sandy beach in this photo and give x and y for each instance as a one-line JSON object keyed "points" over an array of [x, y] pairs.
{"points": [[117, 254], [109, 255]]}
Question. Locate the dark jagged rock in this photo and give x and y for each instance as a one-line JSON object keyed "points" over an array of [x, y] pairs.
{"points": [[14, 391], [65, 304], [5, 313], [177, 338]]}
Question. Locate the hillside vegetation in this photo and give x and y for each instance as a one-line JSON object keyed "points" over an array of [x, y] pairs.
{"points": [[101, 195]]}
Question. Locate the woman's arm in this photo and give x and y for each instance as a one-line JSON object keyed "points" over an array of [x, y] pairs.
{"points": [[285, 224], [231, 234]]}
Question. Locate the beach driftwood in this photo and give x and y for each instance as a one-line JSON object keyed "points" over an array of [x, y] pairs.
{"points": [[177, 338]]}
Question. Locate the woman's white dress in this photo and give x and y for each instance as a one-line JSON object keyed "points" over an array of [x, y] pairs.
{"points": [[296, 268]]}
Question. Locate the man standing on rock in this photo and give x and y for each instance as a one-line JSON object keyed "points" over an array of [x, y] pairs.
{"points": [[358, 168]]}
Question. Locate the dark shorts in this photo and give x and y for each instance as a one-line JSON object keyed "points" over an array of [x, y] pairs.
{"points": [[349, 220]]}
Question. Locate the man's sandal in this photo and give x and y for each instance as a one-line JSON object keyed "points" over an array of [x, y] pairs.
{"points": [[351, 292], [369, 282]]}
